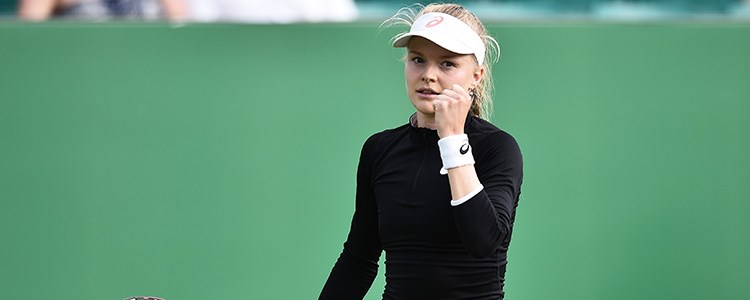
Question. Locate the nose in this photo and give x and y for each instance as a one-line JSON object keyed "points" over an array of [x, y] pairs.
{"points": [[430, 73]]}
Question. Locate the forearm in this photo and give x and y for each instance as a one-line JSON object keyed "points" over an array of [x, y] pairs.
{"points": [[463, 180], [484, 209], [350, 278]]}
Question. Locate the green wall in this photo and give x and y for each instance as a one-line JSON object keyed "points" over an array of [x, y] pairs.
{"points": [[218, 161]]}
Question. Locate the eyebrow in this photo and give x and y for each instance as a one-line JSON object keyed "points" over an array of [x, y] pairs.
{"points": [[442, 57]]}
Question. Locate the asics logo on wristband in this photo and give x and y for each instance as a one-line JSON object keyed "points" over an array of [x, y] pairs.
{"points": [[464, 149]]}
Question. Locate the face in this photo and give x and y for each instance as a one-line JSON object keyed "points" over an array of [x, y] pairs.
{"points": [[430, 69]]}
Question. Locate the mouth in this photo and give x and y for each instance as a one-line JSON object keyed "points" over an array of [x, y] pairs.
{"points": [[426, 92]]}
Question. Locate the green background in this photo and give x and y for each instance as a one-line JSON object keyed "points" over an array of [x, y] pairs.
{"points": [[218, 161]]}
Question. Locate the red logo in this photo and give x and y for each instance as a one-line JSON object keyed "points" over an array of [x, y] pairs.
{"points": [[434, 22]]}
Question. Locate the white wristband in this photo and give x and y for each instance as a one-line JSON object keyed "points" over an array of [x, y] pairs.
{"points": [[455, 152]]}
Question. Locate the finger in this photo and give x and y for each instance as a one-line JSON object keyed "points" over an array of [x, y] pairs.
{"points": [[461, 91], [443, 97], [438, 105], [451, 94], [458, 93]]}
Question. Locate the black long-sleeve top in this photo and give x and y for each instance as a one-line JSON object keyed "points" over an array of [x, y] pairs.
{"points": [[433, 250]]}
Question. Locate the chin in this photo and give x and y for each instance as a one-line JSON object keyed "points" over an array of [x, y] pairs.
{"points": [[425, 109], [422, 106]]}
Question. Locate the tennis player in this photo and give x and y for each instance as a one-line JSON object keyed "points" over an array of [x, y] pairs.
{"points": [[439, 193]]}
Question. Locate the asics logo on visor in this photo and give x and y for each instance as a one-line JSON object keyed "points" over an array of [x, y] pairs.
{"points": [[434, 22]]}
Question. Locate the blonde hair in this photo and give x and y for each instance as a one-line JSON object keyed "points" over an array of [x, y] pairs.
{"points": [[482, 106]]}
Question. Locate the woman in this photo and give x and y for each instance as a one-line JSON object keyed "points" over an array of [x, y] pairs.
{"points": [[439, 193]]}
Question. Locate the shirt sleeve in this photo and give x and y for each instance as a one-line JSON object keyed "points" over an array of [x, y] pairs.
{"points": [[485, 220], [357, 266]]}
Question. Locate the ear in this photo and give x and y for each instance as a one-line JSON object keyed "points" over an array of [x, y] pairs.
{"points": [[478, 75]]}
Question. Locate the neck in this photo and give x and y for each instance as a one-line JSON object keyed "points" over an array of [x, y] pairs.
{"points": [[426, 121]]}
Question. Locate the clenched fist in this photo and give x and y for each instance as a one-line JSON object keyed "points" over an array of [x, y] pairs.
{"points": [[451, 108]]}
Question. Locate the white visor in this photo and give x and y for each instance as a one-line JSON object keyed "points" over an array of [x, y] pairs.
{"points": [[446, 31]]}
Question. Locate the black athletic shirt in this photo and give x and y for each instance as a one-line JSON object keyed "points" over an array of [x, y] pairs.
{"points": [[433, 250]]}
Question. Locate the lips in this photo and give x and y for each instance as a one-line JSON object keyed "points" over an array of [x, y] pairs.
{"points": [[426, 93]]}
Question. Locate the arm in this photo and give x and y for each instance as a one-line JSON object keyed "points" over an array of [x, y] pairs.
{"points": [[463, 180], [356, 267], [484, 220], [451, 109], [483, 209]]}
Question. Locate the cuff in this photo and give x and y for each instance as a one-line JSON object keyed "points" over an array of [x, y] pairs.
{"points": [[468, 196]]}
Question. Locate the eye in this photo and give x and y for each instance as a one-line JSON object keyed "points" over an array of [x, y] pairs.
{"points": [[449, 64], [417, 60]]}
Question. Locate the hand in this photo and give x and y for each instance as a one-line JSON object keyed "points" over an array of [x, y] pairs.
{"points": [[451, 108]]}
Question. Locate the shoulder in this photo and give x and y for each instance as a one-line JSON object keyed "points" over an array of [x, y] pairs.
{"points": [[380, 140], [492, 144], [385, 136], [377, 145], [484, 132]]}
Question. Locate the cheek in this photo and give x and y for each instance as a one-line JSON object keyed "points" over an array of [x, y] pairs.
{"points": [[410, 75], [463, 78], [408, 69]]}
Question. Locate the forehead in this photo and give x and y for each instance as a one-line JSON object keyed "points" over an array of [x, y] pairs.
{"points": [[426, 47]]}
